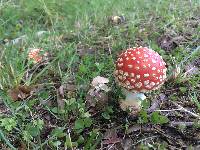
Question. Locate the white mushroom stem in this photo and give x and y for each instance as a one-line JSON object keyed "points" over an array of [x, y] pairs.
{"points": [[133, 101]]}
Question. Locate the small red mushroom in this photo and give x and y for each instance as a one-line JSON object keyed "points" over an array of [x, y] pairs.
{"points": [[34, 54], [139, 70]]}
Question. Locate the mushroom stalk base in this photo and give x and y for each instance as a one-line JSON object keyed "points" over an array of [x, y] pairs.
{"points": [[132, 102]]}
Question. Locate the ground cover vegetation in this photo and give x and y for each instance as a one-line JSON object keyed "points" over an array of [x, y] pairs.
{"points": [[56, 103]]}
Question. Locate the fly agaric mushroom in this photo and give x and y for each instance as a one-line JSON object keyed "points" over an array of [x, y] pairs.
{"points": [[139, 70], [34, 54]]}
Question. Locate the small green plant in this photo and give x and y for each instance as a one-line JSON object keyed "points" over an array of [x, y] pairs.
{"points": [[143, 117], [108, 112], [81, 124], [154, 118], [8, 123], [158, 119]]}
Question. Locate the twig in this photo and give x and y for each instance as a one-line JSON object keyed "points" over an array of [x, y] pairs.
{"points": [[111, 146], [174, 123], [185, 110], [166, 110], [156, 103], [145, 139]]}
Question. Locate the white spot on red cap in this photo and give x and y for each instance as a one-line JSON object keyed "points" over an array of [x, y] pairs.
{"points": [[127, 82], [146, 82], [165, 70], [138, 52], [161, 64], [138, 85], [154, 68], [144, 66], [120, 64], [130, 66], [146, 75], [153, 61], [133, 80], [121, 71], [120, 77], [138, 76], [148, 86], [152, 84], [133, 58], [132, 75], [125, 73], [120, 59], [137, 68], [116, 72]]}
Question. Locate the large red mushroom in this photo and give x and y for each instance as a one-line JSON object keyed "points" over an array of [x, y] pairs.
{"points": [[139, 70]]}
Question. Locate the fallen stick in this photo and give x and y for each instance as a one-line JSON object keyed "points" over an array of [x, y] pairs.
{"points": [[181, 108], [156, 103], [179, 123]]}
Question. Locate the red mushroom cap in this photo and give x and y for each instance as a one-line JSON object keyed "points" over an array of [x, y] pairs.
{"points": [[140, 69], [34, 54]]}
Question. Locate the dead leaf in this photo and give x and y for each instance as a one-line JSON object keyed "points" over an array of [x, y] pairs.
{"points": [[111, 137], [77, 25], [196, 62], [21, 92], [20, 40], [167, 43], [175, 72], [71, 87], [127, 144], [116, 20], [22, 146], [25, 89], [191, 70], [83, 51], [61, 91], [40, 34], [139, 41], [60, 97], [98, 100], [134, 128]]}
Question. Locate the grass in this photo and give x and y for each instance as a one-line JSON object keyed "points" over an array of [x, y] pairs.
{"points": [[83, 44]]}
